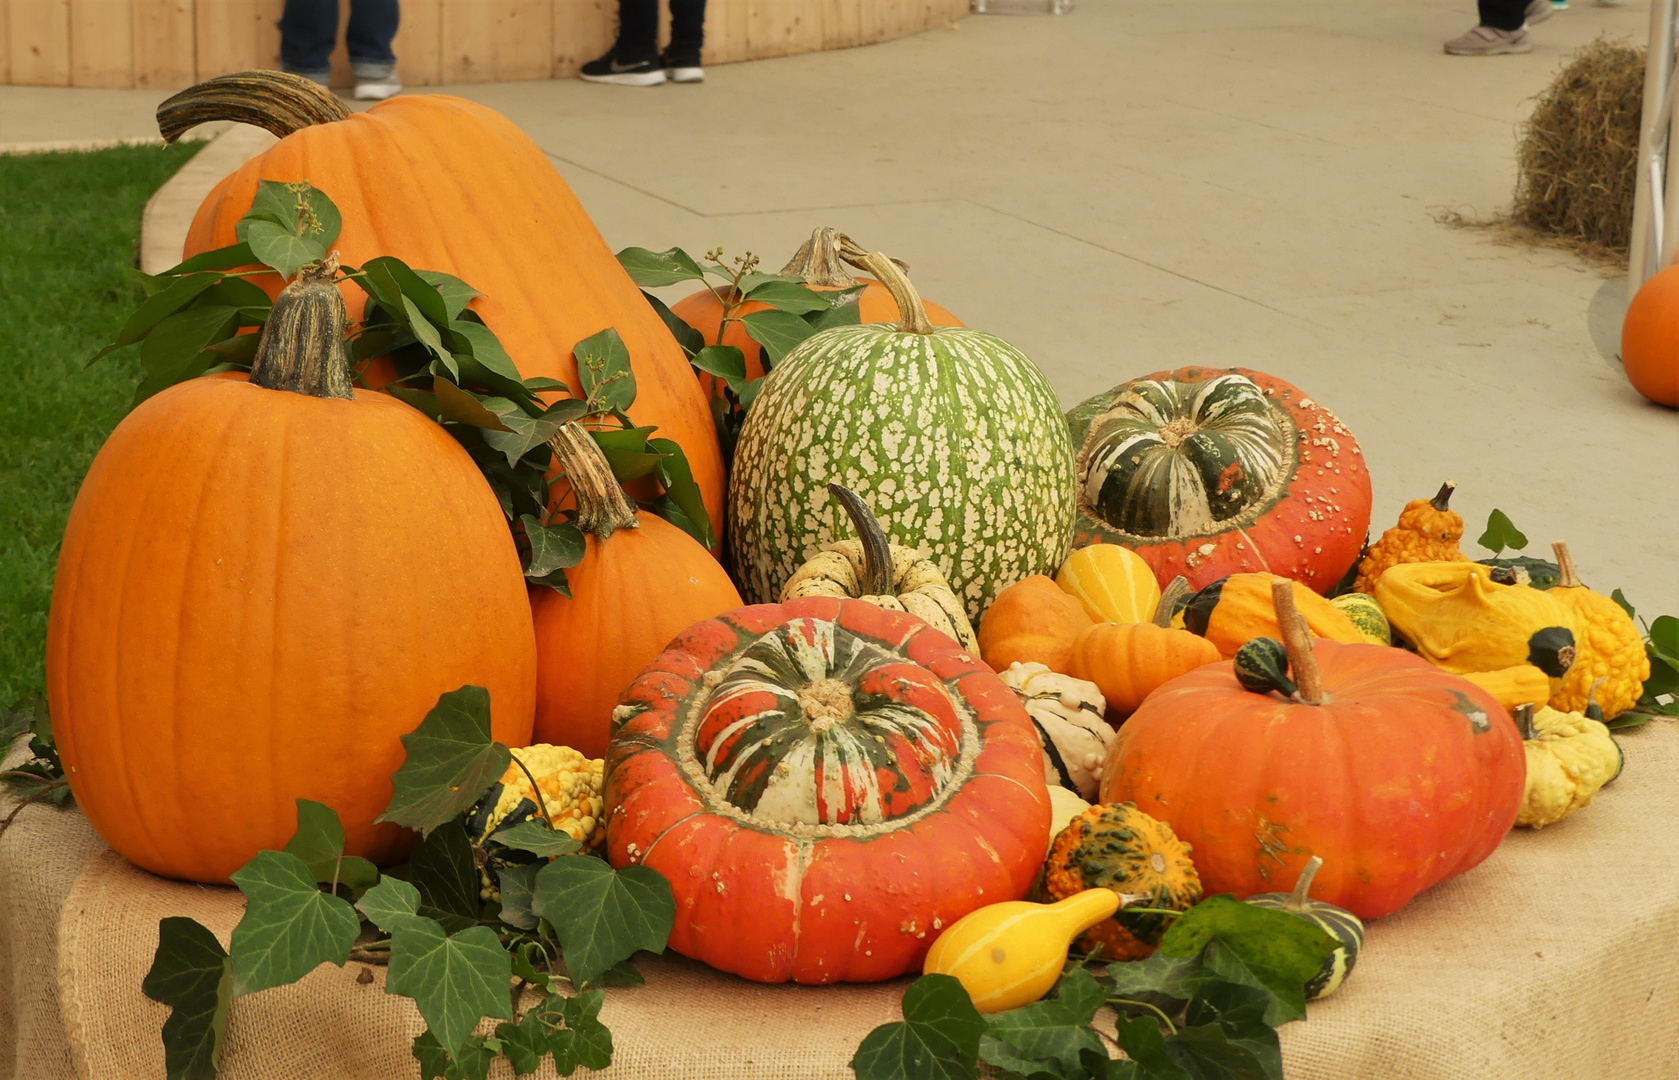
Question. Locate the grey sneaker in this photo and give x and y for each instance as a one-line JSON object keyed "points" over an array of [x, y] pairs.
{"points": [[378, 89], [1538, 11], [1485, 41]]}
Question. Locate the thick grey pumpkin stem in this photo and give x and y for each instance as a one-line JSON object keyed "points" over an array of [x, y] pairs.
{"points": [[272, 100], [1303, 886], [1169, 597], [1298, 641], [877, 549], [1570, 578], [602, 506], [302, 346]]}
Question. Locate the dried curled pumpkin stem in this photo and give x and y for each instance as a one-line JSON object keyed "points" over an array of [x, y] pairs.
{"points": [[272, 100], [897, 283], [818, 260], [1174, 591], [302, 345], [602, 506], [1443, 498], [877, 549], [1298, 641], [1569, 577]]}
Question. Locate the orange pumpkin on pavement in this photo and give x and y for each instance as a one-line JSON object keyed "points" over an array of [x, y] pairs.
{"points": [[1650, 338]]}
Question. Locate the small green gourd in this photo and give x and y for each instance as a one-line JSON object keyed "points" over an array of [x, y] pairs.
{"points": [[1339, 923], [1262, 666]]}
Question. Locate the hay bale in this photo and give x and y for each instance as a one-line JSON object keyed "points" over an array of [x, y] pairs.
{"points": [[1579, 150]]}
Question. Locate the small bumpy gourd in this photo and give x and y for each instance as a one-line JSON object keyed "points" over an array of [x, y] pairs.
{"points": [[1610, 650], [1570, 756], [1428, 531], [1116, 846], [1068, 715], [1010, 954], [1339, 923]]}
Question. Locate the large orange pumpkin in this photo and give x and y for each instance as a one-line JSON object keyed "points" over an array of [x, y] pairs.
{"points": [[259, 591], [641, 582], [449, 185], [1396, 773], [821, 266], [1650, 338], [827, 785]]}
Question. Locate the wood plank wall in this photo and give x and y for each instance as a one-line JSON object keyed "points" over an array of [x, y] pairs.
{"points": [[168, 44]]}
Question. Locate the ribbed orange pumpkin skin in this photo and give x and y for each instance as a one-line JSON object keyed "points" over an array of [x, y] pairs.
{"points": [[633, 592], [704, 313], [449, 185], [257, 594], [1650, 338]]}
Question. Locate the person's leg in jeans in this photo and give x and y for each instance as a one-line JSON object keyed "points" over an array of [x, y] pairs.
{"points": [[308, 30], [687, 37], [372, 28], [1503, 14]]}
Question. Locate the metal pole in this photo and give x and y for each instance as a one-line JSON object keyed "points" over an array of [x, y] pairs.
{"points": [[1650, 247]]}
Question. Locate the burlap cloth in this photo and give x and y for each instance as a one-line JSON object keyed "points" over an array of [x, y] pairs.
{"points": [[1559, 957]]}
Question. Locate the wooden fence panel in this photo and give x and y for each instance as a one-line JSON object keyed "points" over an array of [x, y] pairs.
{"points": [[524, 38], [40, 42], [419, 43], [5, 42], [236, 35], [727, 31], [163, 44], [583, 30], [101, 43]]}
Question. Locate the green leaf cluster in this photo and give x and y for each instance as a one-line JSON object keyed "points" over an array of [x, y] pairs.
{"points": [[39, 776], [465, 934], [790, 313], [1204, 1007]]}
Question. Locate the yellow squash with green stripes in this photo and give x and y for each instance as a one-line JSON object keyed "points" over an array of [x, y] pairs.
{"points": [[1011, 954]]}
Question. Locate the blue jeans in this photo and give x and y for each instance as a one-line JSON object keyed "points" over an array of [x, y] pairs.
{"points": [[309, 30]]}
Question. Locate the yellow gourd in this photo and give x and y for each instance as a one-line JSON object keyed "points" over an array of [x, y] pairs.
{"points": [[1514, 686], [1610, 648], [1569, 758], [1112, 582], [1010, 954], [1460, 619]]}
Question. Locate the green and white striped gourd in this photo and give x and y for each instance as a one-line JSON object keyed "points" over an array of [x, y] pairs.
{"points": [[1338, 923], [952, 435]]}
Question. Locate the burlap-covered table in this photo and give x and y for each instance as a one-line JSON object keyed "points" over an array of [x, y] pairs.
{"points": [[1554, 959]]}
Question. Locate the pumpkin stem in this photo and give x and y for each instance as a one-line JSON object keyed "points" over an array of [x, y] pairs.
{"points": [[1443, 497], [1303, 885], [877, 549], [886, 268], [1524, 720], [272, 100], [1565, 563], [1174, 591], [602, 506], [1298, 641], [819, 262], [302, 344]]}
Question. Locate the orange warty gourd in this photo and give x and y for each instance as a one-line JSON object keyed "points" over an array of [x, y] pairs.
{"points": [[822, 267], [1032, 621], [1650, 338], [452, 186], [1428, 531], [1396, 773], [641, 582], [264, 583]]}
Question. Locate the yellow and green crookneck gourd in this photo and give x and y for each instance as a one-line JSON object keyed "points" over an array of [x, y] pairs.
{"points": [[1609, 649], [1112, 582], [885, 574], [1339, 923], [1068, 714], [1428, 531], [1234, 610], [1367, 615], [1570, 757], [953, 436], [1010, 954], [1116, 846], [1458, 618]]}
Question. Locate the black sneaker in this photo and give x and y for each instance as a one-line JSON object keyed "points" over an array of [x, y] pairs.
{"points": [[611, 68], [682, 66]]}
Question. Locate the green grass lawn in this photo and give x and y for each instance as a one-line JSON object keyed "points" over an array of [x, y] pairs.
{"points": [[69, 233]]}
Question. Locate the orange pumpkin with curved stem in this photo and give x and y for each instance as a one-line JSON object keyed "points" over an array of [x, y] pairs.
{"points": [[263, 584], [515, 232], [1398, 774], [641, 582]]}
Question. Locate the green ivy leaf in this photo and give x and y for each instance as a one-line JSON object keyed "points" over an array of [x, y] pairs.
{"points": [[1281, 951], [553, 548], [602, 916], [779, 332], [1626, 605], [297, 207], [476, 1057], [191, 974], [390, 904], [464, 407], [522, 433], [677, 478], [442, 868], [225, 258], [591, 1042], [603, 368], [536, 838], [456, 293], [281, 249], [1081, 994], [691, 340], [451, 761], [845, 311], [425, 295], [1501, 534], [524, 1043], [319, 842], [1208, 1051], [789, 296], [623, 973], [1009, 1062], [656, 269], [290, 927], [1044, 1032], [1143, 1043], [157, 307], [518, 887], [455, 979], [938, 1038], [1249, 1041]]}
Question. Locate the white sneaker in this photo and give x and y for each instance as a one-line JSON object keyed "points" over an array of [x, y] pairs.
{"points": [[378, 89]]}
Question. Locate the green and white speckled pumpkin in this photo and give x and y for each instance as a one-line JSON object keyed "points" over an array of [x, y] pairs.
{"points": [[952, 435]]}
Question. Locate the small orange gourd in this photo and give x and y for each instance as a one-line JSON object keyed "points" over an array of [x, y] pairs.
{"points": [[641, 582], [1032, 621], [1127, 661], [1428, 531]]}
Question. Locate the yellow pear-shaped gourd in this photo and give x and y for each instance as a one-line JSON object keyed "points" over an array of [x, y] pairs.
{"points": [[1010, 954]]}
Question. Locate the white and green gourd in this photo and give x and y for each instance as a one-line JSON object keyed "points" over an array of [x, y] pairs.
{"points": [[952, 435], [1338, 923]]}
